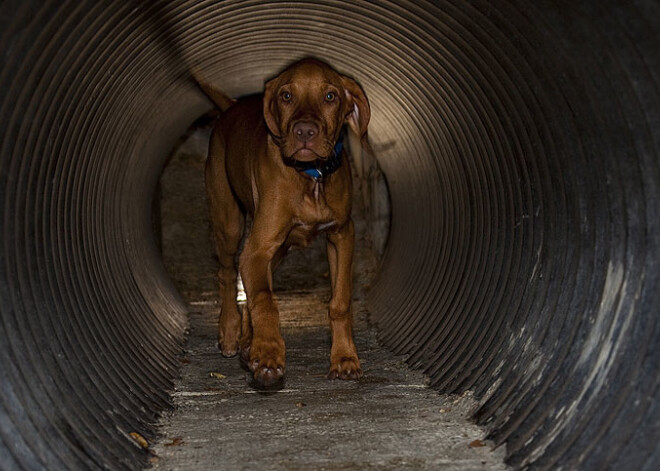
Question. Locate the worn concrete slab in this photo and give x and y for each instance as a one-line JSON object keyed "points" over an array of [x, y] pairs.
{"points": [[389, 420]]}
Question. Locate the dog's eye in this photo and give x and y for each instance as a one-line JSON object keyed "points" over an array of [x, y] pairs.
{"points": [[286, 96], [330, 97]]}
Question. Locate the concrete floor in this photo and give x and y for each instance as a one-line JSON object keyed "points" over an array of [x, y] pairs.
{"points": [[389, 420]]}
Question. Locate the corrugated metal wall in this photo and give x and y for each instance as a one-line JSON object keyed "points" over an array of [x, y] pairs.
{"points": [[520, 141]]}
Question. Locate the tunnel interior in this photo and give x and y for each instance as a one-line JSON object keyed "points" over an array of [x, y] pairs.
{"points": [[519, 141]]}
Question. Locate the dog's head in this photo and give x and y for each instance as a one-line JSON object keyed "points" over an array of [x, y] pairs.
{"points": [[306, 107]]}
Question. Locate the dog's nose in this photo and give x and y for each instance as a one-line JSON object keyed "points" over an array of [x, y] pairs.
{"points": [[305, 130]]}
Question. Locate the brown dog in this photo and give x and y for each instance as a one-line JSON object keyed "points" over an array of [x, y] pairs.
{"points": [[280, 158]]}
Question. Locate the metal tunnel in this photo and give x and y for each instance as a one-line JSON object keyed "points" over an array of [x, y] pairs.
{"points": [[521, 145]]}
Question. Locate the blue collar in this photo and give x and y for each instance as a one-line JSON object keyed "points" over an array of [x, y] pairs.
{"points": [[319, 169]]}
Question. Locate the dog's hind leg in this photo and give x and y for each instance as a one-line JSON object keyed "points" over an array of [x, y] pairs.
{"points": [[228, 223]]}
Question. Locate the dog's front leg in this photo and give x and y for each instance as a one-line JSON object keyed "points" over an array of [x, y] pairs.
{"points": [[344, 362], [267, 351]]}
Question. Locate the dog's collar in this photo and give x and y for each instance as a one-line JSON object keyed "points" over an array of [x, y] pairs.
{"points": [[319, 169]]}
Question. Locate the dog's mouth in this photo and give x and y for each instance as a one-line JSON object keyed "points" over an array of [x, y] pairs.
{"points": [[306, 159], [307, 142], [319, 148], [305, 154], [306, 151]]}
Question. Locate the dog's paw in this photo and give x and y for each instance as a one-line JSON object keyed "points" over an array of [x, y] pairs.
{"points": [[268, 378], [229, 330], [345, 368], [267, 363], [228, 349]]}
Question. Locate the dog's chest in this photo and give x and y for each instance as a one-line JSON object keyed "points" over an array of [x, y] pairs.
{"points": [[302, 234], [314, 216]]}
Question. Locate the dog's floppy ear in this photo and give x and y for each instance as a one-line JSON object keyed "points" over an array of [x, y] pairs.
{"points": [[359, 112], [271, 112]]}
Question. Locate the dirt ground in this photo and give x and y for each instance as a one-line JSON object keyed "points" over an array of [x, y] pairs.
{"points": [[389, 420]]}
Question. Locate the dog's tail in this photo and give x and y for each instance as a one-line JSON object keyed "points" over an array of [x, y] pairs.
{"points": [[220, 99]]}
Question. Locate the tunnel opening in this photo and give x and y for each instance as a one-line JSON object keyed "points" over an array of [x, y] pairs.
{"points": [[520, 146]]}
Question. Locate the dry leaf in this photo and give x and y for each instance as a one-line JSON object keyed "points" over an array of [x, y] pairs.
{"points": [[444, 411], [139, 439], [476, 444], [216, 375], [176, 441]]}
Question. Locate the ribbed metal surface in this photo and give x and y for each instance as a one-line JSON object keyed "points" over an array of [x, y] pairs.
{"points": [[89, 327], [520, 141]]}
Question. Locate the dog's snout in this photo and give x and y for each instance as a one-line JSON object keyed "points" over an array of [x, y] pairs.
{"points": [[305, 130]]}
